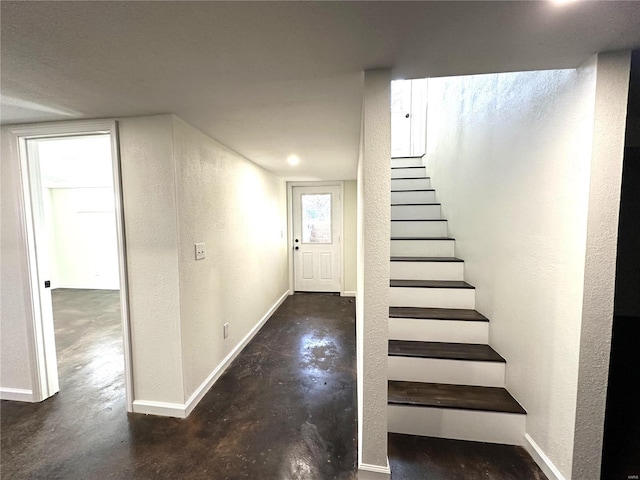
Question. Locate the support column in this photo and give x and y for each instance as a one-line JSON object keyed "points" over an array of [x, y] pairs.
{"points": [[374, 216]]}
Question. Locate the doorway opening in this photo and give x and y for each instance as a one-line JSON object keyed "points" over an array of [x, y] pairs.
{"points": [[408, 117], [75, 239], [316, 230]]}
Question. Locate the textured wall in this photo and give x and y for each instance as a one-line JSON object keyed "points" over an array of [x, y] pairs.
{"points": [[15, 306], [148, 183], [612, 86], [509, 158], [374, 215], [239, 210]]}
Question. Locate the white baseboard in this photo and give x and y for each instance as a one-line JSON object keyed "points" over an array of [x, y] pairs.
{"points": [[348, 293], [545, 464], [374, 472], [84, 287], [201, 391], [163, 409], [16, 394], [180, 410]]}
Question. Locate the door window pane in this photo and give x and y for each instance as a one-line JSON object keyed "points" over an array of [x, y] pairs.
{"points": [[316, 218]]}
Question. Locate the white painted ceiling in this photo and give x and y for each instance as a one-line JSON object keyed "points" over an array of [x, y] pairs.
{"points": [[269, 79]]}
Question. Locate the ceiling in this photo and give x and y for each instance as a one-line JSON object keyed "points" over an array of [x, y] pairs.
{"points": [[270, 79]]}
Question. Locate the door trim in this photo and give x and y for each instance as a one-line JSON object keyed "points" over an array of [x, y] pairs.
{"points": [[41, 376], [290, 185]]}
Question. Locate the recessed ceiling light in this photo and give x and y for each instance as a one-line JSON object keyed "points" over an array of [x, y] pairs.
{"points": [[563, 2], [293, 160]]}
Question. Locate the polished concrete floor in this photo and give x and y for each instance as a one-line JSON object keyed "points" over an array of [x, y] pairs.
{"points": [[285, 409]]}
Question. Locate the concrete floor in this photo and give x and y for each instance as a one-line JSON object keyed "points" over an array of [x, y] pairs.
{"points": [[285, 409]]}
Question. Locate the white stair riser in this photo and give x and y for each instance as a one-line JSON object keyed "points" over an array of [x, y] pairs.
{"points": [[418, 196], [409, 172], [432, 297], [415, 212], [419, 229], [422, 248], [479, 426], [410, 184], [455, 331], [406, 162], [437, 370], [427, 271]]}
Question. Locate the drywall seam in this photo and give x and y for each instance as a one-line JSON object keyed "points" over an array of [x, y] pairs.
{"points": [[220, 369], [545, 464]]}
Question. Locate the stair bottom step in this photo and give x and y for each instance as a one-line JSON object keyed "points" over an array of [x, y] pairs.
{"points": [[475, 425]]}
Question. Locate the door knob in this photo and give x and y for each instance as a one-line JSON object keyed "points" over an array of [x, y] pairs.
{"points": [[406, 116], [297, 248]]}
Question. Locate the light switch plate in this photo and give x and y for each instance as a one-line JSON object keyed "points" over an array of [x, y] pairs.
{"points": [[201, 251]]}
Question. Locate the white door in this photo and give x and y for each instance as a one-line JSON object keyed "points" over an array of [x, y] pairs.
{"points": [[317, 246], [408, 117], [401, 118]]}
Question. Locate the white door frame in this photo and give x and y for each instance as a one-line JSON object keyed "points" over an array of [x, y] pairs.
{"points": [[290, 242], [44, 377]]}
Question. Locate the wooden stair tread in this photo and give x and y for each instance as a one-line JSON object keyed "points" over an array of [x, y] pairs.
{"points": [[431, 284], [413, 204], [440, 395], [424, 313], [416, 190], [444, 350], [426, 259], [422, 238], [418, 219], [410, 178]]}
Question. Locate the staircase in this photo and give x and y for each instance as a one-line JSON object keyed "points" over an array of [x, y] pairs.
{"points": [[444, 378]]}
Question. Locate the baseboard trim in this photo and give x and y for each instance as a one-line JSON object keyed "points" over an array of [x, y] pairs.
{"points": [[367, 471], [82, 287], [348, 293], [180, 410], [163, 409], [201, 391], [545, 464], [16, 394]]}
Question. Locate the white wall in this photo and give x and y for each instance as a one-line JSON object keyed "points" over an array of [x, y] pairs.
{"points": [[179, 187], [151, 231], [82, 231], [372, 312], [509, 156], [15, 307], [239, 210], [612, 88]]}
